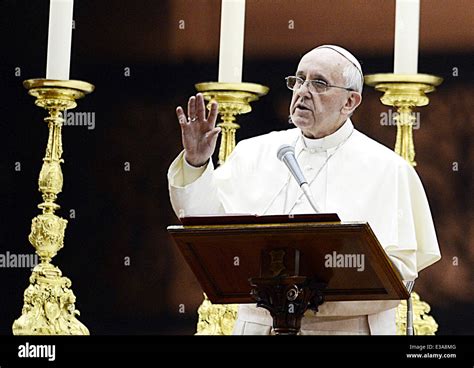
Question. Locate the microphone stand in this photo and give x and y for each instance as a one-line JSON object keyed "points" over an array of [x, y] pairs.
{"points": [[410, 330], [307, 192]]}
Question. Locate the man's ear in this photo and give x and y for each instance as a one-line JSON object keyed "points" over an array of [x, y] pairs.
{"points": [[352, 102]]}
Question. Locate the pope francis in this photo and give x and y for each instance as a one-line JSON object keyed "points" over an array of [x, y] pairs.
{"points": [[348, 173]]}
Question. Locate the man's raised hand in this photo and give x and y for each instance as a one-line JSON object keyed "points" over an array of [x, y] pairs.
{"points": [[198, 132]]}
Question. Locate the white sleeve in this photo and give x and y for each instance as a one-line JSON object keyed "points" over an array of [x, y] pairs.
{"points": [[193, 190], [404, 261], [427, 251], [191, 173]]}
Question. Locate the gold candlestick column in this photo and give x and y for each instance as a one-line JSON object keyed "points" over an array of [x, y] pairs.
{"points": [[404, 92], [233, 99], [48, 301]]}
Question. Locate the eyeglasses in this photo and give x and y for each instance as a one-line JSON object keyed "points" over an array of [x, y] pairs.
{"points": [[317, 86]]}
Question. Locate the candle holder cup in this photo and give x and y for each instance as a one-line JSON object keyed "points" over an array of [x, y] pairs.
{"points": [[233, 99]]}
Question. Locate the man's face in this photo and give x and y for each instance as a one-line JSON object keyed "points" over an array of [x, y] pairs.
{"points": [[319, 115]]}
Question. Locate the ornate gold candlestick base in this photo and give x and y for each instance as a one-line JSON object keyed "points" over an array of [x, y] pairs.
{"points": [[423, 323], [48, 301], [233, 99], [404, 92], [216, 319]]}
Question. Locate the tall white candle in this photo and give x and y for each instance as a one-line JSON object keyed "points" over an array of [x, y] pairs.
{"points": [[407, 24], [59, 39], [231, 49]]}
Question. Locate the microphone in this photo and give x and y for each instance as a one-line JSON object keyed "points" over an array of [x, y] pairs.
{"points": [[286, 154]]}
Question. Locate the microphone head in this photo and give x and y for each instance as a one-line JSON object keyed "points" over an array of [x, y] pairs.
{"points": [[284, 149]]}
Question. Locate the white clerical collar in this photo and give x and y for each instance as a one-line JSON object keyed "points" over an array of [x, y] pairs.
{"points": [[328, 142]]}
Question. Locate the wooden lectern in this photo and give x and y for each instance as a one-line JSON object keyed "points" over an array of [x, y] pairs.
{"points": [[287, 264]]}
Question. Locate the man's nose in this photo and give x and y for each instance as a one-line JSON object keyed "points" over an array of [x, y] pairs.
{"points": [[303, 91]]}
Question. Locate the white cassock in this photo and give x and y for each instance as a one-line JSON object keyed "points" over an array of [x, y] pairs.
{"points": [[349, 174]]}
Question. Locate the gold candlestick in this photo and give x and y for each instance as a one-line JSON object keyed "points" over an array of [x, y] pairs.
{"points": [[233, 99], [404, 92], [48, 301]]}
